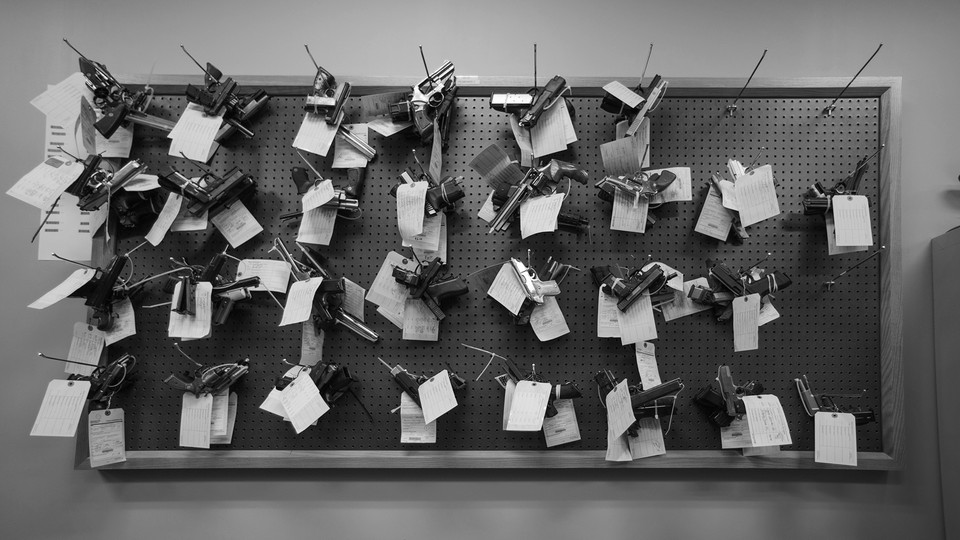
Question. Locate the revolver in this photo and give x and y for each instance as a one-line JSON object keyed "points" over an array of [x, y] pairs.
{"points": [[211, 193], [639, 185], [428, 285], [208, 380], [724, 402], [222, 98], [532, 104], [537, 181], [814, 403], [106, 381], [628, 290], [816, 201], [411, 383], [118, 104], [432, 99], [645, 402], [567, 390]]}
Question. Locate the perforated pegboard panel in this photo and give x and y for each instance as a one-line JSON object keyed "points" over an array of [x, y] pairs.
{"points": [[833, 337]]}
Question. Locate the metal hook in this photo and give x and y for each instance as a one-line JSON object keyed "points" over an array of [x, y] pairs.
{"points": [[732, 108], [187, 356], [828, 111], [833, 281], [41, 355]]}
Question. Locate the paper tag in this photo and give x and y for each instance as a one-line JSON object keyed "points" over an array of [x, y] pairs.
{"points": [[835, 438], [86, 346], [274, 275], [851, 214], [315, 134], [60, 410], [551, 134], [227, 438], [124, 322], [198, 325], [387, 127], [236, 224], [629, 212], [757, 196], [637, 323], [832, 247], [680, 190], [69, 286], [622, 157], [649, 442], [768, 313], [768, 425], [746, 315], [61, 102], [728, 192], [171, 208], [547, 320], [419, 323], [195, 420], [487, 213], [311, 344], [562, 428], [316, 226], [528, 406], [509, 387], [608, 322], [300, 301], [647, 365], [627, 96], [185, 222], [143, 182], [436, 153], [345, 156], [436, 396], [411, 199], [494, 165], [524, 143], [618, 449], [507, 290], [318, 195], [619, 410], [353, 298], [41, 186], [425, 253], [219, 411], [302, 402], [682, 305], [272, 403], [715, 220], [194, 135], [413, 428], [429, 237], [736, 435], [373, 105], [539, 214], [105, 433]]}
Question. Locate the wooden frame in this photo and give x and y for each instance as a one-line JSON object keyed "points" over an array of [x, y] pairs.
{"points": [[887, 89]]}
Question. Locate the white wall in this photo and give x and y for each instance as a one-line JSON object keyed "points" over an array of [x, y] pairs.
{"points": [[43, 497]]}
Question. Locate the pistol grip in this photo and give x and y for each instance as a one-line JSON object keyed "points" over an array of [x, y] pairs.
{"points": [[178, 383], [112, 119], [354, 185], [301, 179]]}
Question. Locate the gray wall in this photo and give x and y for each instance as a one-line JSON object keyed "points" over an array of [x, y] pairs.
{"points": [[43, 497]]}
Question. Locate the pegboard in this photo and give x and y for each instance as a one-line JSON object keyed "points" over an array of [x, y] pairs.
{"points": [[832, 337]]}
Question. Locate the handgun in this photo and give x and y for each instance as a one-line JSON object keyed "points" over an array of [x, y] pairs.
{"points": [[744, 282], [106, 381], [209, 380], [223, 98], [430, 99], [96, 185], [118, 104], [333, 380], [724, 402], [817, 199], [341, 200], [638, 185], [651, 100], [628, 290], [440, 197], [411, 383], [814, 403], [538, 285], [545, 98], [212, 193], [567, 390], [429, 285], [537, 181], [101, 291], [645, 402]]}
